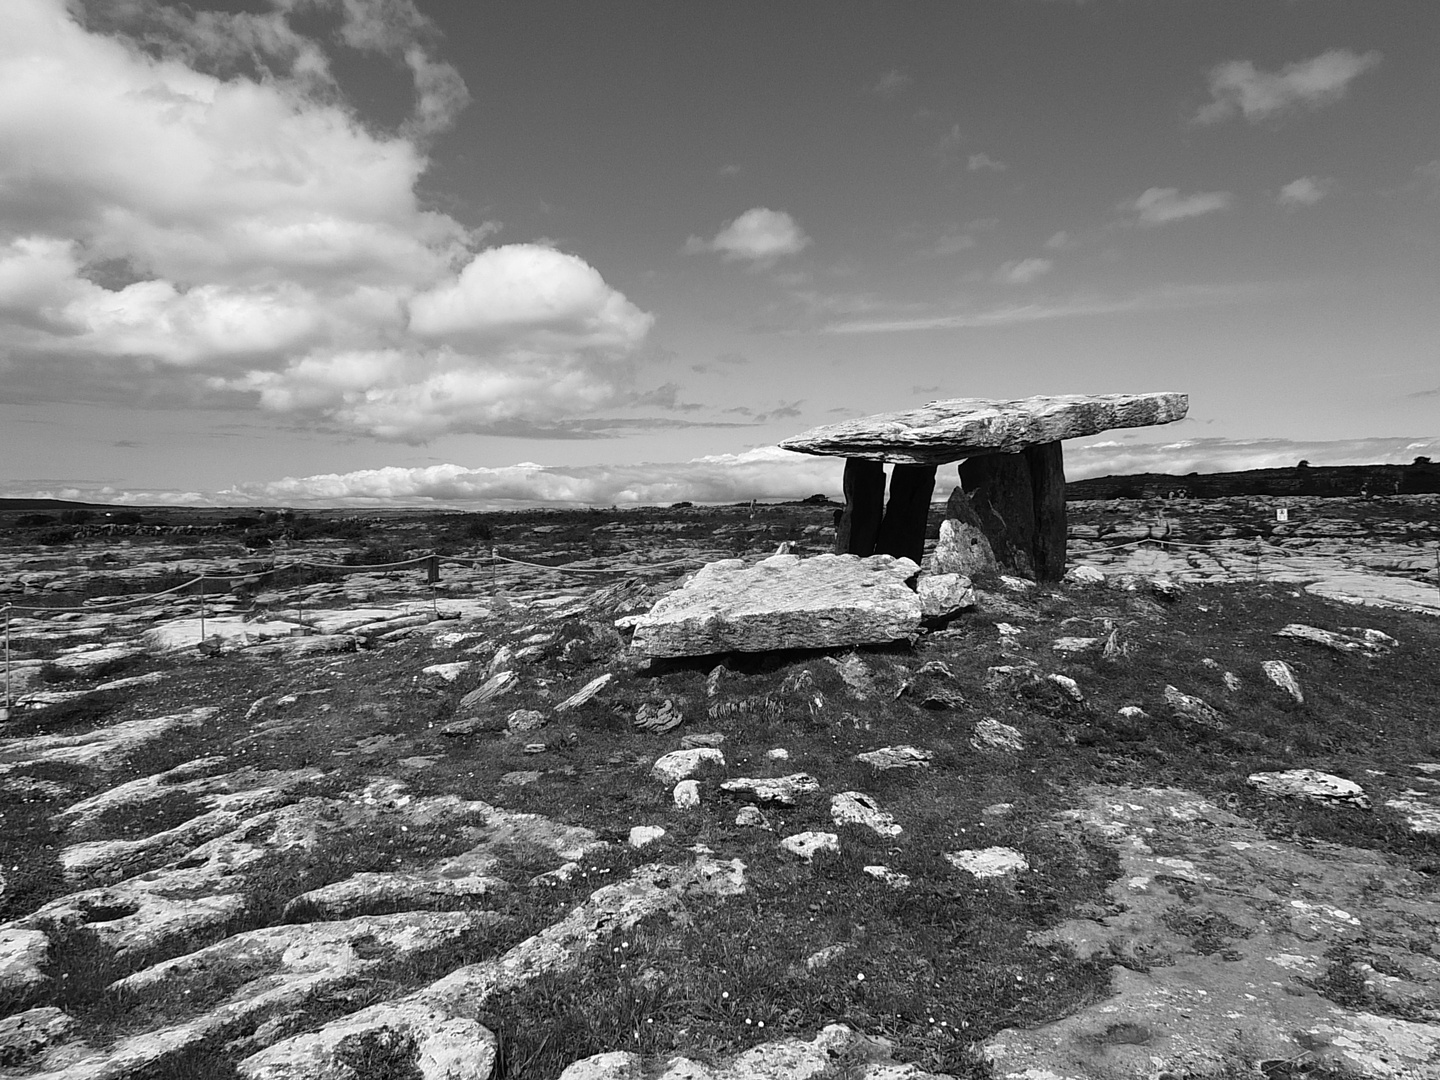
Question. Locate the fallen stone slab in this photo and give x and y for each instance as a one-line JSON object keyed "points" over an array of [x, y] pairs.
{"points": [[1311, 784], [585, 693], [501, 682], [783, 602], [942, 595], [83, 663], [1190, 709], [991, 734], [955, 428], [23, 953], [1421, 818]]}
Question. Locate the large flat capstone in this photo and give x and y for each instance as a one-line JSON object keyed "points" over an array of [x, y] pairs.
{"points": [[784, 602], [957, 428]]}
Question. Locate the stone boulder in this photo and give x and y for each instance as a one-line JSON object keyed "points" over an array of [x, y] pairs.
{"points": [[784, 602], [962, 547]]}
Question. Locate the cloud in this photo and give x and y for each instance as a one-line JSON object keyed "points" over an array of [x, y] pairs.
{"points": [[1157, 206], [984, 162], [891, 85], [730, 170], [1059, 241], [1306, 191], [191, 213], [764, 473], [1020, 314], [1238, 86], [1211, 455], [759, 235], [1023, 271]]}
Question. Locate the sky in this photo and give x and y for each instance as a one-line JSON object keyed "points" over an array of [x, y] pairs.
{"points": [[439, 252]]}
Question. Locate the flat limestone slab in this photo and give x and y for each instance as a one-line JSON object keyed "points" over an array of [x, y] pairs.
{"points": [[783, 602], [956, 428]]}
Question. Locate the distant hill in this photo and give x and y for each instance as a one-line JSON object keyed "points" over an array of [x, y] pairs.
{"points": [[1351, 481], [20, 506]]}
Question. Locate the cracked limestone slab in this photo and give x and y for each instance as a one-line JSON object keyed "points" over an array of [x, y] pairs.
{"points": [[103, 747], [461, 996], [1218, 944]]}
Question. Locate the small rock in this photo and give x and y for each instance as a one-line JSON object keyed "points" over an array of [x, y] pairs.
{"points": [[779, 753], [701, 738], [612, 1065], [893, 878], [1084, 575], [681, 764], [1231, 680], [524, 720], [1068, 686], [750, 817], [1313, 635], [1132, 712], [658, 719], [896, 757], [500, 683], [988, 862], [942, 595], [1283, 675], [641, 835], [1193, 710], [857, 808], [686, 794], [828, 955], [1166, 589], [585, 693], [1074, 644], [1420, 817], [519, 778], [941, 698], [807, 845], [1311, 784], [448, 672], [534, 748], [999, 809], [993, 735], [937, 669], [1016, 584], [779, 789], [1377, 638]]}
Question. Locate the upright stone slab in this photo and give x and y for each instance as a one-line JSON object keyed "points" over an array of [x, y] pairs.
{"points": [[902, 531], [859, 524], [963, 547], [1047, 485], [1002, 496]]}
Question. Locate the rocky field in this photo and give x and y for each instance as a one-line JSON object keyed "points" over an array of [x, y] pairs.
{"points": [[1175, 816]]}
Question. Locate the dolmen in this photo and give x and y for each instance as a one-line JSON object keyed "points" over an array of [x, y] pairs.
{"points": [[1009, 510]]}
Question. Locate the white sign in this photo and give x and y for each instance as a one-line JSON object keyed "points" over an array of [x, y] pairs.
{"points": [[1282, 513]]}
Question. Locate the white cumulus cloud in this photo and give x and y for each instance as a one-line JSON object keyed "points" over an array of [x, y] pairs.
{"points": [[1023, 271], [1239, 86], [1306, 191], [1157, 206], [759, 235], [190, 208]]}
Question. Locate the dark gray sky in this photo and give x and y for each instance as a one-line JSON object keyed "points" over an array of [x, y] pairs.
{"points": [[392, 250]]}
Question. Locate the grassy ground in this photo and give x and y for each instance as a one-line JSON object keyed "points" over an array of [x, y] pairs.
{"points": [[936, 967]]}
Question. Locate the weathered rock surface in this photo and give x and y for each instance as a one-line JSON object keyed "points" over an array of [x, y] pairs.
{"points": [[988, 862], [1313, 635], [806, 845], [783, 602], [896, 757], [1220, 944], [956, 428], [778, 789], [1283, 675], [1320, 787], [680, 764], [942, 595], [104, 748], [452, 1003], [857, 808], [1190, 709], [962, 547], [25, 1035]]}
